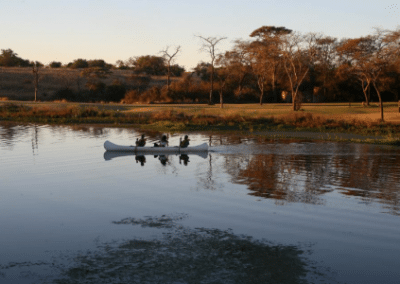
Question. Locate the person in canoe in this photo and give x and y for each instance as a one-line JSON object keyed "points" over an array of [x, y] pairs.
{"points": [[141, 142], [185, 142], [163, 142]]}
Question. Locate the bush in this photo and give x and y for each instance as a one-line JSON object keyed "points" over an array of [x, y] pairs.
{"points": [[65, 94], [114, 93], [55, 64], [78, 63], [131, 97], [99, 63]]}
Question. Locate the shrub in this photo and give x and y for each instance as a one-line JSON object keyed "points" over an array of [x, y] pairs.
{"points": [[131, 97], [65, 94], [114, 93], [99, 63], [78, 63], [55, 64]]}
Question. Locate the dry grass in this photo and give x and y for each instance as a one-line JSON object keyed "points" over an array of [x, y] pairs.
{"points": [[194, 117], [16, 83], [323, 111]]}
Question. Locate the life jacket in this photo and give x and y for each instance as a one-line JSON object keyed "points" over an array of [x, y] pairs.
{"points": [[141, 142], [184, 143]]}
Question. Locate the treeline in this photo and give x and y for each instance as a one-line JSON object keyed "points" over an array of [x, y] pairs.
{"points": [[276, 65]]}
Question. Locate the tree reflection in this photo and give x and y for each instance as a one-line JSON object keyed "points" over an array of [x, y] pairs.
{"points": [[8, 131], [277, 177], [306, 178], [185, 255]]}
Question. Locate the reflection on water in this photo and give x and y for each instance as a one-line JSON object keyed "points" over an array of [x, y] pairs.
{"points": [[64, 203], [306, 178]]}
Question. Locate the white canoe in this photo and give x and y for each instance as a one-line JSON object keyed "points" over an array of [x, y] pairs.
{"points": [[109, 155], [114, 147]]}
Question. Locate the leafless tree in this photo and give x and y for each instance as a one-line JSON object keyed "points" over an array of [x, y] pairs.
{"points": [[35, 70], [209, 45], [169, 58]]}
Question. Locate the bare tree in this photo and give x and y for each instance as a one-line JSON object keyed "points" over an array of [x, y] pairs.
{"points": [[169, 58], [35, 70], [209, 45]]}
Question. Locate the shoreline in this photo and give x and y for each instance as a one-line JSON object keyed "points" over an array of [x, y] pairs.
{"points": [[300, 125], [266, 134]]}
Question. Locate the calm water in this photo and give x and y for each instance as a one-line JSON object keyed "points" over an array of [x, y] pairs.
{"points": [[248, 211]]}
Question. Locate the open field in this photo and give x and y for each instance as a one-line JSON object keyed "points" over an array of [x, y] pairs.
{"points": [[335, 111]]}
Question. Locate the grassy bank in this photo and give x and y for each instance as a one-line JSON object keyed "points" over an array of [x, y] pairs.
{"points": [[332, 118]]}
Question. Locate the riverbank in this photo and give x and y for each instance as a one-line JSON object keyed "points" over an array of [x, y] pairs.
{"points": [[320, 122]]}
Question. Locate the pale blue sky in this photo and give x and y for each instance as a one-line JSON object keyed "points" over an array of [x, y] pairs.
{"points": [[46, 30]]}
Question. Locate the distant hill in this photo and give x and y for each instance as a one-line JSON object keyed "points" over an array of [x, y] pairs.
{"points": [[17, 83]]}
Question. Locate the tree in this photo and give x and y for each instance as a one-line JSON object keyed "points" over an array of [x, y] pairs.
{"points": [[266, 55], [223, 76], [369, 56], [325, 60], [209, 45], [55, 64], [203, 70], [99, 63], [35, 70], [236, 63], [177, 70], [78, 63], [148, 64], [9, 58], [169, 58], [297, 56]]}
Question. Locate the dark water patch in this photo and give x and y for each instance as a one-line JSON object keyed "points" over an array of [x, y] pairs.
{"points": [[186, 255]]}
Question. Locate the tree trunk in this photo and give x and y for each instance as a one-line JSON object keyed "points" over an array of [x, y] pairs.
{"points": [[273, 88], [212, 82], [221, 99], [260, 82], [168, 77], [369, 95], [365, 89], [293, 102], [36, 82], [380, 100]]}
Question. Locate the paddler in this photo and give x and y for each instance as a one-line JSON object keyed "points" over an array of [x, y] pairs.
{"points": [[185, 142], [141, 142], [163, 142]]}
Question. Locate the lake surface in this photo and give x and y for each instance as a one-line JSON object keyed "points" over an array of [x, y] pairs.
{"points": [[248, 211]]}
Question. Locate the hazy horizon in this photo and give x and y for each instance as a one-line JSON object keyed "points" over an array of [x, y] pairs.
{"points": [[48, 31]]}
